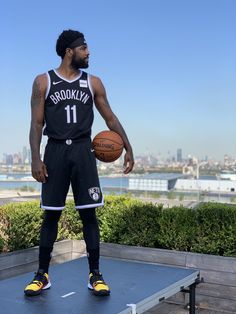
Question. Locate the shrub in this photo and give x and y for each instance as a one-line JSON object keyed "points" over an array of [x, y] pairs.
{"points": [[70, 226], [127, 221], [216, 229], [210, 228], [177, 226], [171, 195], [2, 243], [20, 224]]}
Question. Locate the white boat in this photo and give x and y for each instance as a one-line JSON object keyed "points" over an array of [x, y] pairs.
{"points": [[227, 175]]}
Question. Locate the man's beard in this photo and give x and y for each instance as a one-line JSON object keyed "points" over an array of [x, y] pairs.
{"points": [[79, 64]]}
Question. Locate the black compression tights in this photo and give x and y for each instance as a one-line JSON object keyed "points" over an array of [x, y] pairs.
{"points": [[49, 231], [91, 236], [48, 236]]}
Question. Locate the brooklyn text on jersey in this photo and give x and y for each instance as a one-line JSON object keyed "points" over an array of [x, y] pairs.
{"points": [[69, 94]]}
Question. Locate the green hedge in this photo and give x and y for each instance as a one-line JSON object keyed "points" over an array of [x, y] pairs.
{"points": [[20, 225], [177, 228], [128, 221], [210, 228], [216, 229]]}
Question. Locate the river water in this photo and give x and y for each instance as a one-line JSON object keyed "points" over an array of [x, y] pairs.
{"points": [[15, 181]]}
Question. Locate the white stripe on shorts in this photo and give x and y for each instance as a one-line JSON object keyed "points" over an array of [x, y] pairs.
{"points": [[52, 208], [90, 205]]}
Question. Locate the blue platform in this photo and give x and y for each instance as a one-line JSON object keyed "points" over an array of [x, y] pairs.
{"points": [[135, 288]]}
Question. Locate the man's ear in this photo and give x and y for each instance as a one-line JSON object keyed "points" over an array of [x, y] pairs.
{"points": [[69, 52]]}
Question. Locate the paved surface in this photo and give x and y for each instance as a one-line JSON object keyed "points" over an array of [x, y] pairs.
{"points": [[17, 196]]}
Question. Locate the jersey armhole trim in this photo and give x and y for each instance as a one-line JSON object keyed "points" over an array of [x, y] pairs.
{"points": [[90, 86], [48, 85]]}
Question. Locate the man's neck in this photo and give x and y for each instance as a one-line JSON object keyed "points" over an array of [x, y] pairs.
{"points": [[67, 71]]}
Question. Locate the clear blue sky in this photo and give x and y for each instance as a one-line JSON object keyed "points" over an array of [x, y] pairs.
{"points": [[169, 68]]}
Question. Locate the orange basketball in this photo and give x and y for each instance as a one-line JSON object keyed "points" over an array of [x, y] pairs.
{"points": [[108, 146]]}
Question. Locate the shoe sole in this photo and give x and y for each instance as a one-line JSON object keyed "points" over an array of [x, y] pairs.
{"points": [[100, 293]]}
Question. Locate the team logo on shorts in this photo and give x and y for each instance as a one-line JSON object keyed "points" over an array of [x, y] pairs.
{"points": [[94, 193]]}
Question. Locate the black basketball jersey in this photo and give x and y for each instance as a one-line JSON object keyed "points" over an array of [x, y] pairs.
{"points": [[68, 112]]}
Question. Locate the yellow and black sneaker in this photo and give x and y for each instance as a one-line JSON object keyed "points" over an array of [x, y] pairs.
{"points": [[97, 284], [40, 282]]}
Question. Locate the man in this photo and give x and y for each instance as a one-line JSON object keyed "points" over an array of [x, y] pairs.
{"points": [[62, 108]]}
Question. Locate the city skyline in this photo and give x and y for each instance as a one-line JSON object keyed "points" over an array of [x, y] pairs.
{"points": [[169, 69], [178, 156]]}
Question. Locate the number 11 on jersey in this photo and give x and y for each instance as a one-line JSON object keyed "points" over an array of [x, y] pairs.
{"points": [[68, 109]]}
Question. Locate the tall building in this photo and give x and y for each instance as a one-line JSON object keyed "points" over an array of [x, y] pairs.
{"points": [[4, 158], [9, 160], [24, 155], [17, 159], [29, 159], [179, 155]]}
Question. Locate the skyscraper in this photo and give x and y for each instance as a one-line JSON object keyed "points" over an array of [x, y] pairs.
{"points": [[24, 154], [179, 155]]}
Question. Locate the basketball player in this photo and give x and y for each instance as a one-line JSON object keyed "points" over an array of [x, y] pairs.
{"points": [[62, 108]]}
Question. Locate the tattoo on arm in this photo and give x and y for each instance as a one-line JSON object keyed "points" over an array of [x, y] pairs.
{"points": [[37, 112], [37, 93]]}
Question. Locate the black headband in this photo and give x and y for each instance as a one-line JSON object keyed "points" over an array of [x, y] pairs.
{"points": [[78, 42]]}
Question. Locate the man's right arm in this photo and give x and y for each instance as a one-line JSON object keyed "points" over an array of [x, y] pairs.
{"points": [[38, 168]]}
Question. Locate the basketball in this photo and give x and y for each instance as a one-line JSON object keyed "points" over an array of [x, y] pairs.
{"points": [[108, 146]]}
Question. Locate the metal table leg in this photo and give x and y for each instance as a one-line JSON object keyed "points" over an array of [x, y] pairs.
{"points": [[192, 299]]}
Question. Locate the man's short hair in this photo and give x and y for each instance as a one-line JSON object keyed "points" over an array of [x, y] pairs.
{"points": [[65, 39]]}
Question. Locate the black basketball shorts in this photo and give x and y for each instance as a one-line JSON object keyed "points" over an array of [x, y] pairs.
{"points": [[71, 163]]}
